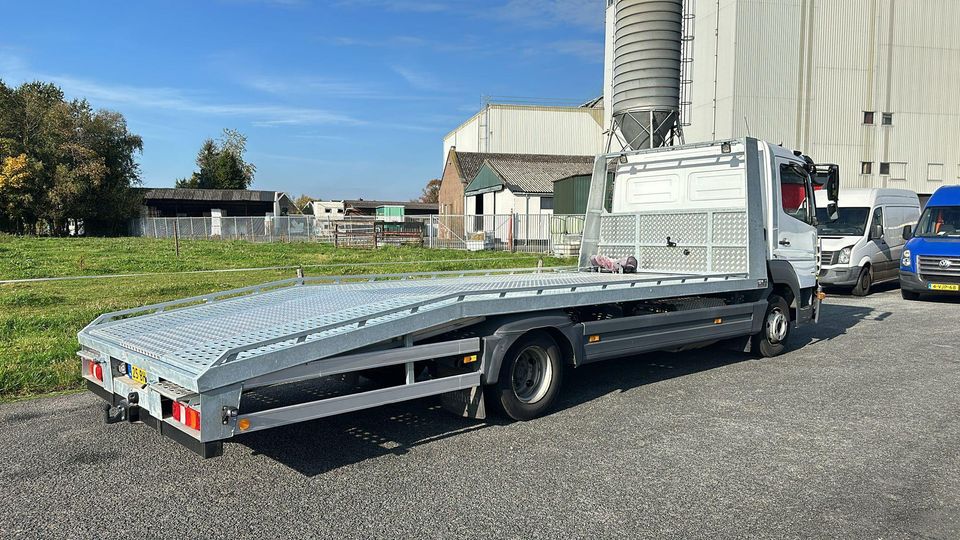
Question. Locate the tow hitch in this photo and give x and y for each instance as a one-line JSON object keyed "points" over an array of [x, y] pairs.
{"points": [[125, 410]]}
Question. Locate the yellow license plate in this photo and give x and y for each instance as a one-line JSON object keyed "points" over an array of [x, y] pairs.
{"points": [[943, 287], [138, 374]]}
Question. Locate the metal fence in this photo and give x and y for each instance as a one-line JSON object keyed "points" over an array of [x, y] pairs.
{"points": [[538, 233]]}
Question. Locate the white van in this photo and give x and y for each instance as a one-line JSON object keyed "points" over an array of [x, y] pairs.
{"points": [[863, 245]]}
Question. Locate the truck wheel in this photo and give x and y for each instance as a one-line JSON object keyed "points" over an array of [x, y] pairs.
{"points": [[864, 282], [530, 377], [772, 338], [909, 295]]}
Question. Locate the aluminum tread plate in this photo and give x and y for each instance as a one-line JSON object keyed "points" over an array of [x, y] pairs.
{"points": [[192, 338]]}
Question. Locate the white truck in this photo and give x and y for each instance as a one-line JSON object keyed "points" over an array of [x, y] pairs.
{"points": [[725, 244]]}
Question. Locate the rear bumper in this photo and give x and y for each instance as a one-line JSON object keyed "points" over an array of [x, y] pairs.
{"points": [[840, 276], [142, 415], [913, 283]]}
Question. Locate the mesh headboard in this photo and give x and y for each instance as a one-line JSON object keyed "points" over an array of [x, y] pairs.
{"points": [[707, 241]]}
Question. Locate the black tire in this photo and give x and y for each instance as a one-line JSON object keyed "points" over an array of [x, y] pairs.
{"points": [[909, 295], [530, 378], [772, 338], [864, 282]]}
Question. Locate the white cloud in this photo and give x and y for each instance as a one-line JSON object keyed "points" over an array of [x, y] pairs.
{"points": [[585, 49], [587, 14], [418, 79], [15, 70]]}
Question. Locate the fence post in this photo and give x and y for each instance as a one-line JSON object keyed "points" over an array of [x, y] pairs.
{"points": [[176, 235]]}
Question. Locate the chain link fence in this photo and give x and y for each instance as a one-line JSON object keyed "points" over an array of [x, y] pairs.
{"points": [[538, 233]]}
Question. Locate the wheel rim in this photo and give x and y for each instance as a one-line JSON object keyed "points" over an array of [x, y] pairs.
{"points": [[532, 374], [777, 325], [865, 282]]}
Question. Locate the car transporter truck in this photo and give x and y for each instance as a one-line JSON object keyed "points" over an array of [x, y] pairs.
{"points": [[722, 245]]}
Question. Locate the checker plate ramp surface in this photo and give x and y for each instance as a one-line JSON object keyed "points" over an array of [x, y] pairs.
{"points": [[198, 338]]}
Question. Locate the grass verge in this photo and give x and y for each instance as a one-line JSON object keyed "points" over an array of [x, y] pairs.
{"points": [[39, 321]]}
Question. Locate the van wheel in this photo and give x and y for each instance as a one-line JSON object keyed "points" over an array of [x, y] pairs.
{"points": [[909, 295], [530, 377], [864, 282], [772, 338]]}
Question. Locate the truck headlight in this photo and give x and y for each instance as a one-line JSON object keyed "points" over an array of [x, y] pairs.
{"points": [[844, 257], [905, 260]]}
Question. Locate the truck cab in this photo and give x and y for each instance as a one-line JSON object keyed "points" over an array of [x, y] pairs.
{"points": [[930, 262]]}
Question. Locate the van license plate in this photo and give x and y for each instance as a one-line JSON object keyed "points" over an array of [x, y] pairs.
{"points": [[943, 287], [138, 374]]}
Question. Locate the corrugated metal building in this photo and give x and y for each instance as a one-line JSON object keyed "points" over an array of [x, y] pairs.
{"points": [[530, 129], [873, 85]]}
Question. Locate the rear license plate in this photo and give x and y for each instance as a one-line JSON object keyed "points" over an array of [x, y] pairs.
{"points": [[138, 374], [943, 287]]}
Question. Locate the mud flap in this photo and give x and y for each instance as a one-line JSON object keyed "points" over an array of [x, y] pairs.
{"points": [[467, 403]]}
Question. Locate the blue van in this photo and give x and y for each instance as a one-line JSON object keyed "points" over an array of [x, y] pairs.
{"points": [[931, 259]]}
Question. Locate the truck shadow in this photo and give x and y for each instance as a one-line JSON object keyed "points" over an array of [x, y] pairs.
{"points": [[320, 446]]}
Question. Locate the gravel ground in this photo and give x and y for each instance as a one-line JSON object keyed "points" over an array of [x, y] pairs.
{"points": [[853, 433]]}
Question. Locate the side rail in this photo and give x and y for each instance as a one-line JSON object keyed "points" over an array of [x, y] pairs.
{"points": [[336, 280], [232, 354]]}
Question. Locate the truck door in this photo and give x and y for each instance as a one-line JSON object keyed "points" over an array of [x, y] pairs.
{"points": [[796, 235]]}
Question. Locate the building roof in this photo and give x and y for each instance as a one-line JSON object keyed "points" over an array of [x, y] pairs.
{"points": [[535, 173], [218, 195], [372, 205], [470, 162]]}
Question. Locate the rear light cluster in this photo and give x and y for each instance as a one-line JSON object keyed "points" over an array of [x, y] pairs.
{"points": [[95, 370], [186, 415]]}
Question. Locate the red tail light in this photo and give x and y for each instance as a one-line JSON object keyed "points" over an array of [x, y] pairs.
{"points": [[95, 370], [186, 415]]}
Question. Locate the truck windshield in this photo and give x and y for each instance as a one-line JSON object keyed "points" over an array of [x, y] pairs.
{"points": [[939, 221], [850, 222]]}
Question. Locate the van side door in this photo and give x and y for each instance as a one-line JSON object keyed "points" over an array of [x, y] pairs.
{"points": [[884, 264]]}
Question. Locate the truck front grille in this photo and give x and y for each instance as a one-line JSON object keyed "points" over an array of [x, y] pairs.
{"points": [[828, 257], [939, 268]]}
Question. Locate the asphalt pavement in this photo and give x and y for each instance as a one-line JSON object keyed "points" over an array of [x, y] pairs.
{"points": [[854, 433]]}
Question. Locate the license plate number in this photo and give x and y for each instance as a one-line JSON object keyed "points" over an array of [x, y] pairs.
{"points": [[138, 374], [943, 287]]}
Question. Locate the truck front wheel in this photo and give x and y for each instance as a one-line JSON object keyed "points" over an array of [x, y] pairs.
{"points": [[772, 338], [530, 377]]}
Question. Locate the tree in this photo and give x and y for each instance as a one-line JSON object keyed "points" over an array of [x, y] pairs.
{"points": [[302, 203], [431, 192], [221, 164], [63, 161]]}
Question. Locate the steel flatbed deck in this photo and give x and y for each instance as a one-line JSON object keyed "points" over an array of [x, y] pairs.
{"points": [[216, 340]]}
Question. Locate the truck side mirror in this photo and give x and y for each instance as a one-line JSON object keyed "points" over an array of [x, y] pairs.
{"points": [[833, 184], [833, 212], [877, 232], [907, 232]]}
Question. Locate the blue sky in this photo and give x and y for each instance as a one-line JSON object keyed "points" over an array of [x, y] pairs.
{"points": [[338, 98]]}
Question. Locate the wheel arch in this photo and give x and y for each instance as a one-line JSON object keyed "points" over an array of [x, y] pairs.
{"points": [[558, 326]]}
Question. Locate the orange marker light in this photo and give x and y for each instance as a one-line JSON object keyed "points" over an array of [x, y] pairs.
{"points": [[243, 424], [593, 339]]}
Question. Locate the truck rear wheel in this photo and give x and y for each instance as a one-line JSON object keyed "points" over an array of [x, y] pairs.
{"points": [[772, 338], [530, 377]]}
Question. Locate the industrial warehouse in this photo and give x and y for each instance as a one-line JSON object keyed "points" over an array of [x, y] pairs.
{"points": [[705, 286]]}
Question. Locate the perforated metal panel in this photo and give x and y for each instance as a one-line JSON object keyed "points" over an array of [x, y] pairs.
{"points": [[618, 229], [687, 229], [699, 241], [730, 229]]}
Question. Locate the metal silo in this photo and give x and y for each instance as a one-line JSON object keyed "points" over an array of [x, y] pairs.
{"points": [[647, 54]]}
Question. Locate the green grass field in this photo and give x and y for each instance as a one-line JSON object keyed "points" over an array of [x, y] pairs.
{"points": [[39, 320]]}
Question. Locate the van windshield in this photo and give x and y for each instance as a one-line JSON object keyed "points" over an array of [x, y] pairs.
{"points": [[851, 221], [940, 221]]}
